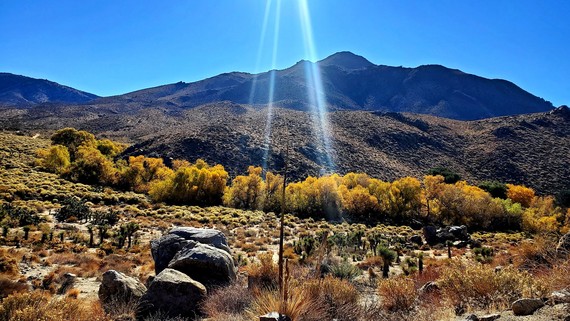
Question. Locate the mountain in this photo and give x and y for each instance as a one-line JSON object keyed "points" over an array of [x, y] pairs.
{"points": [[21, 91], [350, 82], [530, 149], [386, 121]]}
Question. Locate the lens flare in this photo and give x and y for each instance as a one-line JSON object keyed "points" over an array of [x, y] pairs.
{"points": [[260, 49], [269, 120], [315, 90]]}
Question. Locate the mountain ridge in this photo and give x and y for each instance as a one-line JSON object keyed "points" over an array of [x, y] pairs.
{"points": [[350, 82]]}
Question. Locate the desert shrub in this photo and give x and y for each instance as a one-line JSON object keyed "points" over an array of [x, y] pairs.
{"points": [[8, 286], [536, 255], [339, 298], [264, 274], [231, 300], [345, 270], [480, 286], [33, 306], [8, 264], [299, 306], [398, 294]]}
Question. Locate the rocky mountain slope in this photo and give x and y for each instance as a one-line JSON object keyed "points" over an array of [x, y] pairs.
{"points": [[350, 82], [21, 91], [530, 149]]}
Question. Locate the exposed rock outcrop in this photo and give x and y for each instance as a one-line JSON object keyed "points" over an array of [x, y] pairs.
{"points": [[172, 293], [526, 306], [118, 287], [204, 263]]}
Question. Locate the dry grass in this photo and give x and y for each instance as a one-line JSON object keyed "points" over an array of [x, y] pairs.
{"points": [[230, 300], [480, 286], [35, 306], [398, 294], [299, 306]]}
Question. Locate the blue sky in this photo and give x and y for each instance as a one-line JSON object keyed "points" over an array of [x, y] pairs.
{"points": [[113, 47]]}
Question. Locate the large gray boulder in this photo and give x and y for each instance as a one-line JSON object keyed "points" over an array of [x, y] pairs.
{"points": [[526, 306], [204, 263], [563, 246], [117, 287], [208, 236], [166, 247], [173, 294]]}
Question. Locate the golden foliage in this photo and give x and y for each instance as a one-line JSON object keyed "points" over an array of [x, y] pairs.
{"points": [[520, 194]]}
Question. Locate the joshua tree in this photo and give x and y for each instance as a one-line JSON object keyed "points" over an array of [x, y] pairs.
{"points": [[130, 229], [388, 256], [26, 232], [5, 230], [448, 243], [421, 262], [90, 229], [102, 233]]}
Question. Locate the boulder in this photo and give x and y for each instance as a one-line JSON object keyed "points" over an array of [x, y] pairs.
{"points": [[417, 239], [166, 247], [526, 306], [274, 316], [172, 294], [459, 232], [430, 234], [204, 263], [490, 317], [563, 246], [116, 286], [562, 296], [429, 287], [208, 236]]}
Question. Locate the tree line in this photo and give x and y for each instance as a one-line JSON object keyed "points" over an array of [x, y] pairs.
{"points": [[441, 197]]}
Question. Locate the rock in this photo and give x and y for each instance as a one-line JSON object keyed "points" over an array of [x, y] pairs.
{"points": [[472, 317], [490, 317], [563, 246], [173, 294], [166, 247], [526, 306], [430, 234], [203, 235], [429, 287], [562, 296], [204, 263], [117, 286], [459, 232], [460, 244], [417, 239], [274, 316]]}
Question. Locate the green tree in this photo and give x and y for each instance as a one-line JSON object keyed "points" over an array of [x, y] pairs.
{"points": [[450, 177], [73, 139]]}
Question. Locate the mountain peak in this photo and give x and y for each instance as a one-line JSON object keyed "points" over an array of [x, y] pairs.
{"points": [[346, 60]]}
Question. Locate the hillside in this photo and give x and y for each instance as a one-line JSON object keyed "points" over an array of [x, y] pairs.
{"points": [[528, 149], [21, 91], [350, 82]]}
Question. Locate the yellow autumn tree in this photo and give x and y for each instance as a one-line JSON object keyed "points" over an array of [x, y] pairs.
{"points": [[141, 171], [358, 203], [92, 167], [110, 148], [272, 198], [520, 194], [246, 192], [542, 216], [54, 159], [193, 184]]}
